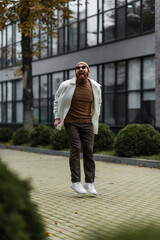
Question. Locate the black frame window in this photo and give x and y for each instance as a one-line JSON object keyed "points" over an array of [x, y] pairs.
{"points": [[92, 23]]}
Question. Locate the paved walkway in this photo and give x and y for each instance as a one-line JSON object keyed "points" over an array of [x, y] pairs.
{"points": [[127, 195]]}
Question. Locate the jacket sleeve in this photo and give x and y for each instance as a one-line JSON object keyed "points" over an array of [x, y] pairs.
{"points": [[99, 99], [56, 99]]}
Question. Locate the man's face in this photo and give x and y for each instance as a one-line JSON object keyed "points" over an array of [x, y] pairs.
{"points": [[82, 72]]}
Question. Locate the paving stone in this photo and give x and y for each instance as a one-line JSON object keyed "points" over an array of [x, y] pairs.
{"points": [[127, 195]]}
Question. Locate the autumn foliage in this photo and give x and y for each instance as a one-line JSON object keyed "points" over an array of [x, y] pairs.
{"points": [[29, 11]]}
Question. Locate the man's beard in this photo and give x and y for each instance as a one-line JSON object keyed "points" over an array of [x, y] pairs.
{"points": [[82, 77]]}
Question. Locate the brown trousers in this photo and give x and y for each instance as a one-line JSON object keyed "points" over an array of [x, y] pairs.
{"points": [[81, 134]]}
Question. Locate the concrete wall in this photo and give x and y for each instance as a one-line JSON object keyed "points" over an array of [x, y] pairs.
{"points": [[134, 47], [10, 74]]}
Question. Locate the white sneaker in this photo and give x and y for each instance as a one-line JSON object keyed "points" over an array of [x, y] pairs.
{"points": [[90, 188], [77, 187]]}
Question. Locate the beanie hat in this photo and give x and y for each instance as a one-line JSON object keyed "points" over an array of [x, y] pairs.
{"points": [[84, 63]]}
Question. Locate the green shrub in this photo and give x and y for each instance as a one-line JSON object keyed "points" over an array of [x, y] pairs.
{"points": [[137, 139], [21, 136], [40, 135], [19, 216], [59, 140], [105, 138], [5, 134]]}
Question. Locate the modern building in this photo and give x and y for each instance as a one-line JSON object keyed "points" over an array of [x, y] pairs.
{"points": [[117, 38]]}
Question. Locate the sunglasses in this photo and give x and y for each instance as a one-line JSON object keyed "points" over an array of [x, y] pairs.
{"points": [[79, 67]]}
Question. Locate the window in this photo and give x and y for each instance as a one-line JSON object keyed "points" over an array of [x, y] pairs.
{"points": [[149, 90], [36, 99], [109, 4], [109, 26], [82, 9], [73, 8], [57, 79], [9, 35], [19, 104], [9, 112], [109, 77], [92, 31], [44, 45], [91, 7], [134, 107], [73, 37], [120, 23], [121, 70], [9, 46], [149, 107], [134, 74], [149, 72], [100, 5], [82, 34], [148, 15], [120, 3], [18, 34], [43, 99], [19, 89], [71, 74], [60, 40], [109, 94], [9, 56], [93, 73], [43, 86], [18, 53], [19, 112], [121, 109], [121, 95], [36, 87], [54, 45], [109, 112], [100, 29], [133, 18], [9, 91], [4, 38]]}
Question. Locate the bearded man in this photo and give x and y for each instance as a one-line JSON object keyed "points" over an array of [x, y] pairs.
{"points": [[77, 107]]}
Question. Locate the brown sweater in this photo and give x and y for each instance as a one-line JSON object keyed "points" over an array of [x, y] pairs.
{"points": [[80, 110]]}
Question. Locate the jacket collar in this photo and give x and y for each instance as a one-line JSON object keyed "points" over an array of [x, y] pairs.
{"points": [[73, 80]]}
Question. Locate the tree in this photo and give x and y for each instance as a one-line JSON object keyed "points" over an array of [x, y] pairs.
{"points": [[31, 14]]}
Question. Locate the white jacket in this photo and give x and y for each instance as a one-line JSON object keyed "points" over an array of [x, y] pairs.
{"points": [[63, 98]]}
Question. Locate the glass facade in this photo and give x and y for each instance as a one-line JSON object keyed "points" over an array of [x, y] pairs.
{"points": [[128, 85], [93, 22], [128, 93], [11, 105]]}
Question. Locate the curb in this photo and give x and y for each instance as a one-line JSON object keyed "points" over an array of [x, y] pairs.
{"points": [[96, 157]]}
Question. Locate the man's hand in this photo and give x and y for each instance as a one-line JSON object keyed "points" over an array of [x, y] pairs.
{"points": [[57, 122]]}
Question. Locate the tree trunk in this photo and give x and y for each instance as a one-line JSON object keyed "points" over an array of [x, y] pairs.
{"points": [[27, 82]]}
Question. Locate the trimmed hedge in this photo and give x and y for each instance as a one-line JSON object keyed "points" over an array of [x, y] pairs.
{"points": [[19, 215], [21, 136], [59, 140], [105, 138], [5, 134], [40, 135], [136, 140]]}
